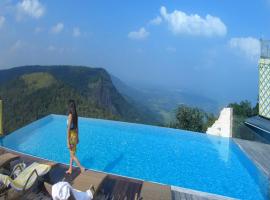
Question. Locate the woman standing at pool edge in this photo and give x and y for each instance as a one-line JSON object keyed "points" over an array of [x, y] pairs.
{"points": [[72, 135]]}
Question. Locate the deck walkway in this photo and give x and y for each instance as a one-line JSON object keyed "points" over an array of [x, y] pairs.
{"points": [[187, 194], [58, 174], [258, 152]]}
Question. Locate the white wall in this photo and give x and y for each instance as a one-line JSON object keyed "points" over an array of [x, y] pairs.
{"points": [[223, 125]]}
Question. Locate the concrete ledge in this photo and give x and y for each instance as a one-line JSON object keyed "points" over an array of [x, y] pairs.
{"points": [[199, 194]]}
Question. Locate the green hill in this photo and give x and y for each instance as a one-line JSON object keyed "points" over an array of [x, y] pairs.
{"points": [[31, 92]]}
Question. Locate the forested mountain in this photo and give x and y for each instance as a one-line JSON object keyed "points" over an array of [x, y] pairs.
{"points": [[31, 92]]}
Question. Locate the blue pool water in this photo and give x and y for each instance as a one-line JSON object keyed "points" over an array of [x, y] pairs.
{"points": [[175, 157]]}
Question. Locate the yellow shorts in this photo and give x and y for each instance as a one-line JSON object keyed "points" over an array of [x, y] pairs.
{"points": [[73, 141]]}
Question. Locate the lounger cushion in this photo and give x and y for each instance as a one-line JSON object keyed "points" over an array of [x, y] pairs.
{"points": [[20, 181]]}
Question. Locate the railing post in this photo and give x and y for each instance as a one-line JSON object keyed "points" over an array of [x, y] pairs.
{"points": [[1, 118]]}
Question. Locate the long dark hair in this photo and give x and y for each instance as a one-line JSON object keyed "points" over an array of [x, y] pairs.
{"points": [[72, 110]]}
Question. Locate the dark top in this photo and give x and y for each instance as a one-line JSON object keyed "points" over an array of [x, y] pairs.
{"points": [[72, 125]]}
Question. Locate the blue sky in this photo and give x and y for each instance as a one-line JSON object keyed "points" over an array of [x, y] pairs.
{"points": [[208, 47]]}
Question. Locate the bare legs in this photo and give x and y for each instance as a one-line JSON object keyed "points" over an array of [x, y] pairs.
{"points": [[74, 158]]}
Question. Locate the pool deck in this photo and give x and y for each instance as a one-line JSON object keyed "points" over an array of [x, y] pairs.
{"points": [[258, 152], [58, 174]]}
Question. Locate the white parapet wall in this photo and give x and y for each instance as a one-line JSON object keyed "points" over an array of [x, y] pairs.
{"points": [[223, 125]]}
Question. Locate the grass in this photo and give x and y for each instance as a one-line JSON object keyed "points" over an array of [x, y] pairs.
{"points": [[38, 80]]}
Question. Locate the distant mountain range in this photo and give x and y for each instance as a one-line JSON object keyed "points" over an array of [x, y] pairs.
{"points": [[163, 102], [31, 92]]}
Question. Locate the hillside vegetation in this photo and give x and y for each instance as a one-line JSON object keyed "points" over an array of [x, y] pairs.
{"points": [[31, 92]]}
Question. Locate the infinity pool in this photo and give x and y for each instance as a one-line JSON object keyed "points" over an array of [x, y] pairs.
{"points": [[169, 156]]}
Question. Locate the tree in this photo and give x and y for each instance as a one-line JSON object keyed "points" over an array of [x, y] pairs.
{"points": [[244, 109], [193, 119], [190, 118]]}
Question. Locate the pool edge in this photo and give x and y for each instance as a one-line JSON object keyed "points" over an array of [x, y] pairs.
{"points": [[172, 187]]}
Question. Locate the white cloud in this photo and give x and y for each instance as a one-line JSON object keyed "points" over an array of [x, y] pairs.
{"points": [[76, 32], [59, 50], [138, 35], [38, 29], [249, 46], [57, 28], [2, 21], [32, 8], [52, 48], [156, 21], [171, 49], [181, 23], [17, 46]]}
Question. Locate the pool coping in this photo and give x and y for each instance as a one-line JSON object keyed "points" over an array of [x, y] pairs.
{"points": [[206, 195], [256, 163], [200, 193]]}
